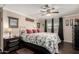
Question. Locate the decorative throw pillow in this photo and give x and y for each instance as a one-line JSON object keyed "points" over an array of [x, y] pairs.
{"points": [[34, 30], [29, 31], [38, 30]]}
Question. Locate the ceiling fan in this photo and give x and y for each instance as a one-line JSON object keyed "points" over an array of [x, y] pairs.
{"points": [[47, 9]]}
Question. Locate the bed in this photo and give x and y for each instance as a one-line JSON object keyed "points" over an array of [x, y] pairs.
{"points": [[43, 41]]}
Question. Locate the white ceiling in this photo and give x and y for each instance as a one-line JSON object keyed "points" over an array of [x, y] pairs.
{"points": [[33, 10]]}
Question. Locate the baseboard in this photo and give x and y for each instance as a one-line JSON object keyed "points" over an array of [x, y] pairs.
{"points": [[68, 41]]}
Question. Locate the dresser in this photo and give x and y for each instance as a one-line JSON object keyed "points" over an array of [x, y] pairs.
{"points": [[76, 37], [11, 44]]}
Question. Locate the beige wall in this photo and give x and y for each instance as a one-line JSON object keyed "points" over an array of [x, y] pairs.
{"points": [[6, 23], [68, 31], [42, 24], [22, 22]]}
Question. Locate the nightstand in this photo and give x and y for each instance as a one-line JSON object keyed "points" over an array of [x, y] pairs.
{"points": [[11, 44]]}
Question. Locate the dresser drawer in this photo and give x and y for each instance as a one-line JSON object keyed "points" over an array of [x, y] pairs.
{"points": [[15, 40], [13, 48], [13, 44]]}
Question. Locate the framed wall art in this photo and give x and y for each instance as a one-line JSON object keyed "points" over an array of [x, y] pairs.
{"points": [[71, 22], [67, 22], [13, 22], [28, 19], [38, 25]]}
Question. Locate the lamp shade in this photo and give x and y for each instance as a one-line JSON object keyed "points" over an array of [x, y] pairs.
{"points": [[8, 30]]}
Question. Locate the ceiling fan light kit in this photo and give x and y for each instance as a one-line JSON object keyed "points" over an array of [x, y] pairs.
{"points": [[48, 14], [47, 10]]}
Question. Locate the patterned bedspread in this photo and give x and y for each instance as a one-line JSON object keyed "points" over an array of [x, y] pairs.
{"points": [[47, 40]]}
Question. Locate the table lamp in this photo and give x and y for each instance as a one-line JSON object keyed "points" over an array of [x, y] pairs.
{"points": [[9, 30]]}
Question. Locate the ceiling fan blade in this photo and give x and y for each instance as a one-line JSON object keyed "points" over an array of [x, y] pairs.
{"points": [[45, 6], [43, 11], [52, 8], [55, 12]]}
